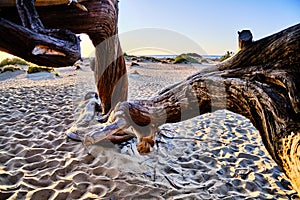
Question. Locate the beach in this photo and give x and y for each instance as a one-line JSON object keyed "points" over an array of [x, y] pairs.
{"points": [[219, 155]]}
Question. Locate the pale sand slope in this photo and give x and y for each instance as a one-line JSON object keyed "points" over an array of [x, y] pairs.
{"points": [[215, 156]]}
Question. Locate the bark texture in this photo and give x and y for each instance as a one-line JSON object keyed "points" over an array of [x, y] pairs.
{"points": [[59, 23], [54, 47], [261, 82]]}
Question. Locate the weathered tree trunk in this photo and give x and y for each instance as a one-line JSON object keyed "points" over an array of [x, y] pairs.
{"points": [[261, 82], [100, 23]]}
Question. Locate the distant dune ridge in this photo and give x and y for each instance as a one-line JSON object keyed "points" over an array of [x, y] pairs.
{"points": [[214, 156]]}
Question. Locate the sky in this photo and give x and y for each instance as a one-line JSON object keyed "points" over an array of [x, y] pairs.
{"points": [[202, 26], [211, 25]]}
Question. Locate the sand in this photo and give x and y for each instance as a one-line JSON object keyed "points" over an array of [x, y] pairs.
{"points": [[214, 156]]}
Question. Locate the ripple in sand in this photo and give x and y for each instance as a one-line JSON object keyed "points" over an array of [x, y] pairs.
{"points": [[15, 163], [34, 158], [79, 177], [100, 191], [61, 196], [88, 159], [108, 172], [76, 194], [63, 184], [22, 136], [6, 195], [42, 194], [10, 179], [30, 152], [4, 157], [37, 182], [35, 166], [66, 147]]}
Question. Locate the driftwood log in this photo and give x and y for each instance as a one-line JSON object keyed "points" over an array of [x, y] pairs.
{"points": [[45, 35], [260, 82], [33, 42]]}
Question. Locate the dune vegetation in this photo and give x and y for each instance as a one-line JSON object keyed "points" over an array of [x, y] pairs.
{"points": [[35, 69], [13, 61], [188, 58]]}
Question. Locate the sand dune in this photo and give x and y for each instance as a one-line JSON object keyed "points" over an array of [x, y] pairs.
{"points": [[213, 156]]}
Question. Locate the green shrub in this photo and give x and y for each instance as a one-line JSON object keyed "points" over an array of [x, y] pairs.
{"points": [[180, 59], [13, 61], [126, 56], [184, 58], [10, 68], [204, 60], [195, 55], [226, 56], [56, 74], [35, 69]]}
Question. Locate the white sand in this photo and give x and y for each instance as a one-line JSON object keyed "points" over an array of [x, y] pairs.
{"points": [[213, 156]]}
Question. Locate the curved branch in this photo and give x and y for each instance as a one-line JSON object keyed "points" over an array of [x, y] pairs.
{"points": [[37, 48], [261, 82], [56, 47]]}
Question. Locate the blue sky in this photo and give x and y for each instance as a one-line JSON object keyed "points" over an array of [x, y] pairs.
{"points": [[201, 26], [211, 24]]}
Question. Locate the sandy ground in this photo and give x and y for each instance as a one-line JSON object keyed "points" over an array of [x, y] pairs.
{"points": [[213, 156]]}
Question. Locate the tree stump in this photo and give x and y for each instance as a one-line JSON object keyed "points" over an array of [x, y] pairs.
{"points": [[245, 39]]}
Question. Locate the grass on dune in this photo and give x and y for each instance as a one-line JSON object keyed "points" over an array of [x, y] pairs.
{"points": [[35, 69], [187, 58], [13, 61]]}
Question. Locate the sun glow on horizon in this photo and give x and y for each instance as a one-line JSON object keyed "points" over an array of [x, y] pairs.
{"points": [[150, 51]]}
